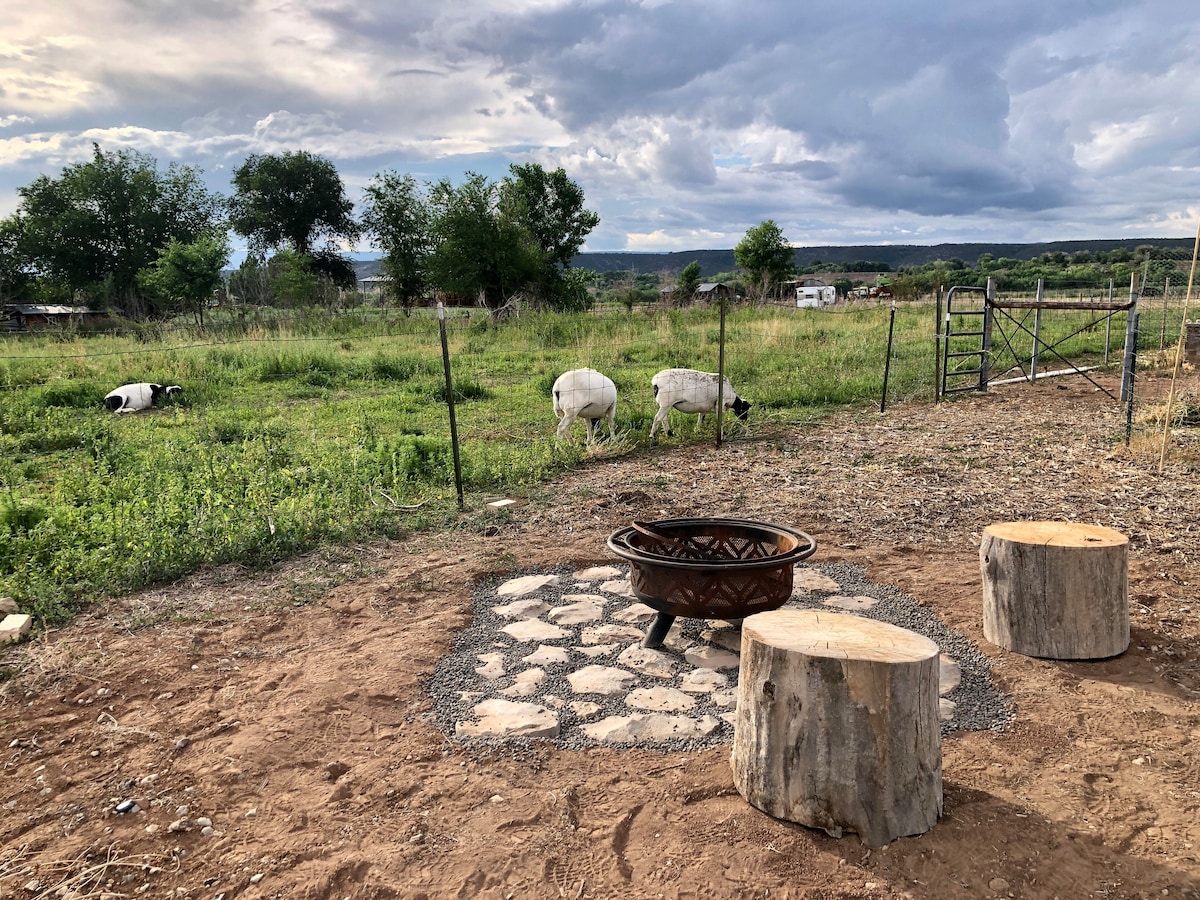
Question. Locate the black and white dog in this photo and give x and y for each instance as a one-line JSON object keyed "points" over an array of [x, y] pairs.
{"points": [[130, 398]]}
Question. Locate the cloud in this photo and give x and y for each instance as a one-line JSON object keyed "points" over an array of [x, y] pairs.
{"points": [[846, 123]]}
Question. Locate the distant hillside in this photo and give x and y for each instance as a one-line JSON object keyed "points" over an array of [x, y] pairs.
{"points": [[895, 255]]}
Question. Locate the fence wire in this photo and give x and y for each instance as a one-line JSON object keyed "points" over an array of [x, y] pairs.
{"points": [[308, 431]]}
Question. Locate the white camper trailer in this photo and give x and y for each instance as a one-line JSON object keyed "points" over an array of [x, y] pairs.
{"points": [[823, 295]]}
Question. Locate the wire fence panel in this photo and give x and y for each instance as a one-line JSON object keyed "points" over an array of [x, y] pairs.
{"points": [[297, 431]]}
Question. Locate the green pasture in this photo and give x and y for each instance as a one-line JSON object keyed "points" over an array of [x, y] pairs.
{"points": [[290, 435]]}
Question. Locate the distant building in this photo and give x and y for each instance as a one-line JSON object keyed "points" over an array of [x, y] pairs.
{"points": [[372, 287], [24, 316], [711, 290], [813, 292]]}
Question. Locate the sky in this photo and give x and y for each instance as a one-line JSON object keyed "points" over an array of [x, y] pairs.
{"points": [[686, 122]]}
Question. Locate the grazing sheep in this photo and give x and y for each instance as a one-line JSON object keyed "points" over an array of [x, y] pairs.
{"points": [[690, 391], [584, 394], [130, 398]]}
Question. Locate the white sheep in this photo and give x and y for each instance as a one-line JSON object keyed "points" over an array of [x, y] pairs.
{"points": [[584, 394], [130, 398], [690, 391]]}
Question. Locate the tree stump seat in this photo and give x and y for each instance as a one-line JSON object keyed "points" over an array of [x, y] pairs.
{"points": [[837, 724], [1055, 590]]}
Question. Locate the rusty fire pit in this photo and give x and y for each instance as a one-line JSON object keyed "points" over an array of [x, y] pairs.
{"points": [[709, 568]]}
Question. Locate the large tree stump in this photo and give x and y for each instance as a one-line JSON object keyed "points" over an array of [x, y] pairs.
{"points": [[837, 724], [1057, 590]]}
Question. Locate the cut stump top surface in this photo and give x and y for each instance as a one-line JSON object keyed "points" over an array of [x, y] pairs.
{"points": [[1057, 534], [837, 636]]}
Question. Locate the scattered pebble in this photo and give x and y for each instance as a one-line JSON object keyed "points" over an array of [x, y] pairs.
{"points": [[488, 661]]}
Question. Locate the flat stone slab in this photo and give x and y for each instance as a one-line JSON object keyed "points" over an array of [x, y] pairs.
{"points": [[610, 634], [548, 656], [949, 675], [809, 580], [509, 718], [525, 684], [599, 599], [727, 638], [727, 699], [534, 630], [576, 613], [621, 587], [712, 658], [586, 709], [647, 661], [526, 584], [850, 604], [660, 699], [650, 727], [493, 665], [598, 650], [521, 609], [946, 709], [604, 680], [597, 573], [703, 681], [635, 613]]}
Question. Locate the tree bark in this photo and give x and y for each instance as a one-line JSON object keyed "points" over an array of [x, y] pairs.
{"points": [[1057, 590], [837, 724]]}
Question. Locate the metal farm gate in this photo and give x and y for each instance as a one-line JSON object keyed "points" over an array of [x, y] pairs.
{"points": [[977, 331]]}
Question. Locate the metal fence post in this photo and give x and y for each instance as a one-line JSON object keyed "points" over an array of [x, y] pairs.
{"points": [[450, 403]]}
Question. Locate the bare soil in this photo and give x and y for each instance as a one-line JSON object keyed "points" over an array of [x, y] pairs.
{"points": [[287, 706]]}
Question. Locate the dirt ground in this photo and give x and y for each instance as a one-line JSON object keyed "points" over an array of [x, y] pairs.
{"points": [[287, 706]]}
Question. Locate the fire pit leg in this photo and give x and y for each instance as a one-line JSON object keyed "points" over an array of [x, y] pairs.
{"points": [[658, 631]]}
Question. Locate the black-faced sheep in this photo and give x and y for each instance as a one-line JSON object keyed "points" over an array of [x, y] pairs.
{"points": [[690, 391], [130, 398], [584, 394]]}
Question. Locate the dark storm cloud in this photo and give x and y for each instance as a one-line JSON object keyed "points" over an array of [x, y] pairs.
{"points": [[684, 122]]}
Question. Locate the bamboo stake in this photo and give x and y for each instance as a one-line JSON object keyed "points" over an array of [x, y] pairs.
{"points": [[1162, 458]]}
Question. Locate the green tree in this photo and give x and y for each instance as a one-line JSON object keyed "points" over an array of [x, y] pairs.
{"points": [[189, 274], [99, 224], [398, 217], [479, 253], [249, 285], [16, 281], [766, 256], [295, 200], [293, 280], [549, 207], [688, 281]]}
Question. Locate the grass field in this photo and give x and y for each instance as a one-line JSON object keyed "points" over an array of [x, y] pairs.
{"points": [[289, 435]]}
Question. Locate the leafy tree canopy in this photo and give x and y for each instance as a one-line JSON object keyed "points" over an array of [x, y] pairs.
{"points": [[689, 281], [479, 253], [397, 216], [102, 222], [189, 274], [295, 200], [766, 255]]}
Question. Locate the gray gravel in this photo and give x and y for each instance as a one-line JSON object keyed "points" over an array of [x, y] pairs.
{"points": [[456, 687]]}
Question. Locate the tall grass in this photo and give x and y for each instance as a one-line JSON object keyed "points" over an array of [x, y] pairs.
{"points": [[289, 435]]}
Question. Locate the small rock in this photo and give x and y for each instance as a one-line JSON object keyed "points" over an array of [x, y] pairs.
{"points": [[256, 878], [203, 822], [998, 884]]}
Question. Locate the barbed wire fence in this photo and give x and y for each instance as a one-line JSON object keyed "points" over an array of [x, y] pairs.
{"points": [[793, 365]]}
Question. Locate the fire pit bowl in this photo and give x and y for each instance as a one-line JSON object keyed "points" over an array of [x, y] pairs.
{"points": [[709, 568]]}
